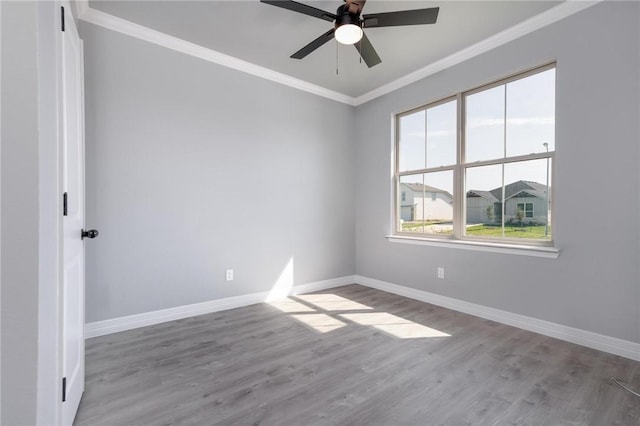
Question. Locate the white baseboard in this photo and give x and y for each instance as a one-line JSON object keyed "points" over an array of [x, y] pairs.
{"points": [[101, 328], [589, 339]]}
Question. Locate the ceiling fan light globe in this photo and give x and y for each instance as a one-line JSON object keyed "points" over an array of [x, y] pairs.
{"points": [[348, 34]]}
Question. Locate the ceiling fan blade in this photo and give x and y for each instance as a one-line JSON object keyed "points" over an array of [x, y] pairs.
{"points": [[367, 51], [302, 8], [402, 17], [314, 44]]}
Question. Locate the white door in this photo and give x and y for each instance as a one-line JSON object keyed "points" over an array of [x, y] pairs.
{"points": [[72, 297]]}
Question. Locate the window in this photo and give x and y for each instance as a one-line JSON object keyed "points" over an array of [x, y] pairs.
{"points": [[478, 164], [426, 160], [525, 210]]}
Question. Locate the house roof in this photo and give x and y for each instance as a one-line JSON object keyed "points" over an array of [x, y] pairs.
{"points": [[484, 194], [521, 188], [418, 187]]}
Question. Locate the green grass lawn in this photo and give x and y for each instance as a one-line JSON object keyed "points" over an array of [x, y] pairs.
{"points": [[408, 226], [534, 232], [531, 232]]}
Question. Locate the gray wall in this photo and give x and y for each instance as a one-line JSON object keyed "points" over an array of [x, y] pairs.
{"points": [[594, 285], [19, 223], [172, 139], [193, 168]]}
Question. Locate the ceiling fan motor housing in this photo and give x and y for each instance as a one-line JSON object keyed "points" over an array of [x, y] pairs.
{"points": [[346, 18], [348, 26]]}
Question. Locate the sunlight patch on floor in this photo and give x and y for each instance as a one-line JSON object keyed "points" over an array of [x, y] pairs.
{"points": [[320, 312], [332, 302], [320, 322], [288, 305], [394, 325]]}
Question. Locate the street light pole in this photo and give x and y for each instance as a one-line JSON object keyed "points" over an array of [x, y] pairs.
{"points": [[546, 222]]}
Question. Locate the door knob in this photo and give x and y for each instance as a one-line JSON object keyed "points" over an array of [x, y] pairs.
{"points": [[91, 233]]}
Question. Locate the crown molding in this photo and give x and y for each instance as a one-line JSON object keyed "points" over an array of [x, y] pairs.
{"points": [[105, 20], [132, 29], [555, 14], [82, 6]]}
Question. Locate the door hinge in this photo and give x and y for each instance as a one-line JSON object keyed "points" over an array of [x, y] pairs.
{"points": [[62, 17], [64, 204], [64, 389]]}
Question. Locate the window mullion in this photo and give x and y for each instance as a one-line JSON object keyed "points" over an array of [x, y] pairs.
{"points": [[508, 160], [504, 155], [431, 170], [396, 184], [426, 131], [458, 175]]}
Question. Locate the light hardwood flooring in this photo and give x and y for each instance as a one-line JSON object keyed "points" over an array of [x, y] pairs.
{"points": [[353, 356]]}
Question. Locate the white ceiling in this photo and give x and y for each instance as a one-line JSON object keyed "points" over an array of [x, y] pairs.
{"points": [[266, 35]]}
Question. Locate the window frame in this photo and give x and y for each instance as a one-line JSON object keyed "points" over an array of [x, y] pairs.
{"points": [[396, 161], [459, 171]]}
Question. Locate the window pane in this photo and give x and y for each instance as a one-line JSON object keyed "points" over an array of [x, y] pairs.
{"points": [[528, 183], [412, 141], [441, 135], [525, 210], [529, 210], [483, 195], [531, 114], [428, 203], [484, 125], [411, 214], [438, 204]]}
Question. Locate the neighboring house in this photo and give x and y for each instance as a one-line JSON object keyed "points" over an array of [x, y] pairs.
{"points": [[530, 197], [424, 202]]}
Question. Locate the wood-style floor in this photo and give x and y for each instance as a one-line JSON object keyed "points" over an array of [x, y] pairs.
{"points": [[350, 356]]}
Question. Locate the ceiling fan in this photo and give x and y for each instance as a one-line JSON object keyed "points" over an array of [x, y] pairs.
{"points": [[349, 24]]}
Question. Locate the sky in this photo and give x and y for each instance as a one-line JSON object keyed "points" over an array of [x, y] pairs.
{"points": [[522, 110]]}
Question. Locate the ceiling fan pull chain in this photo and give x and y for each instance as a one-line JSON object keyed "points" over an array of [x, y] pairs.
{"points": [[360, 50]]}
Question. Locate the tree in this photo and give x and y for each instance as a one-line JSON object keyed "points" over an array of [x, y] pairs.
{"points": [[489, 212], [519, 215]]}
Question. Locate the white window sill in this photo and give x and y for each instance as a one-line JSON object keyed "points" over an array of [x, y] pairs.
{"points": [[522, 250]]}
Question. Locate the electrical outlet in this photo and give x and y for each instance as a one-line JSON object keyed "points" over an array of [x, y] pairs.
{"points": [[229, 275], [441, 273]]}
